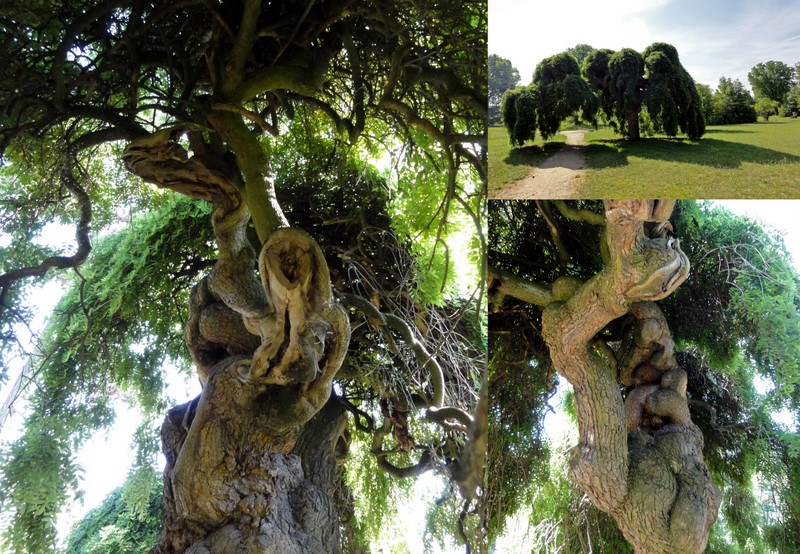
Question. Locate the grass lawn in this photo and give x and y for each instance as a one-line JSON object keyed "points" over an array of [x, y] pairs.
{"points": [[757, 160], [507, 164]]}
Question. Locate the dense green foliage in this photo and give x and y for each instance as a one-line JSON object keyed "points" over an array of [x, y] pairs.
{"points": [[671, 99], [626, 81], [101, 337], [735, 318], [557, 91], [517, 107], [502, 77], [732, 103], [562, 92], [128, 520], [791, 107], [766, 107], [629, 87], [771, 80]]}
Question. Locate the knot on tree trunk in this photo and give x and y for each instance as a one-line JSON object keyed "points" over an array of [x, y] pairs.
{"points": [[267, 351], [233, 481]]}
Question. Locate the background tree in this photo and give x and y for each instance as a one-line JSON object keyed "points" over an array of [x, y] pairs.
{"points": [[265, 115], [706, 101], [766, 107], [735, 316], [580, 51], [733, 103], [502, 77], [771, 80], [128, 520], [791, 106]]}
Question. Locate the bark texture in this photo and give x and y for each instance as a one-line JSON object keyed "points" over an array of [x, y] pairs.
{"points": [[251, 463], [639, 459]]}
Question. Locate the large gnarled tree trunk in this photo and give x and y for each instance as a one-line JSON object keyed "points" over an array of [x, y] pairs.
{"points": [[638, 459], [251, 462]]}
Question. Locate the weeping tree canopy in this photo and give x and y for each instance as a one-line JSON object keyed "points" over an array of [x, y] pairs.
{"points": [[728, 333], [626, 85], [627, 81], [557, 91], [321, 301]]}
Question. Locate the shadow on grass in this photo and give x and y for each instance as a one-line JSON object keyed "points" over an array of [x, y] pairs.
{"points": [[708, 152], [729, 131], [532, 155]]}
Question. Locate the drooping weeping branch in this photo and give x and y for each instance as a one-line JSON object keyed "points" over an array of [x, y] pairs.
{"points": [[467, 469], [81, 236]]}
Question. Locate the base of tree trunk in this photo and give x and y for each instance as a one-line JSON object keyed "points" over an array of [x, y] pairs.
{"points": [[234, 485]]}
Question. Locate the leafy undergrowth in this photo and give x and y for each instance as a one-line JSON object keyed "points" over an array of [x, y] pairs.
{"points": [[757, 160], [508, 164]]}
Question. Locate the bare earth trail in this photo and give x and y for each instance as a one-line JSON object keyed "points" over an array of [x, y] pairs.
{"points": [[560, 176]]}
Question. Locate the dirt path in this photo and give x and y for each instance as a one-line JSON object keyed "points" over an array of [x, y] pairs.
{"points": [[560, 176]]}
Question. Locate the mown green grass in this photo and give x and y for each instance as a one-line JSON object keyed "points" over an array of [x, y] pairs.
{"points": [[757, 160], [507, 164]]}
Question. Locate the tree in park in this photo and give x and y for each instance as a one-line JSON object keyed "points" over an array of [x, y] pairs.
{"points": [[791, 107], [580, 51], [733, 103], [502, 77], [626, 81], [766, 107], [322, 303], [706, 95], [556, 92], [771, 80], [659, 316]]}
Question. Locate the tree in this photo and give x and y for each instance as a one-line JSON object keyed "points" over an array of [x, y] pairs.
{"points": [[791, 107], [733, 103], [557, 91], [771, 80], [128, 520], [672, 99], [580, 51], [626, 84], [518, 109], [626, 81], [766, 107], [214, 102], [552, 265], [706, 101], [502, 77], [562, 92]]}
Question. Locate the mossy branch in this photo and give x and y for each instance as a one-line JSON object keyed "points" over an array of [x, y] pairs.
{"points": [[259, 189]]}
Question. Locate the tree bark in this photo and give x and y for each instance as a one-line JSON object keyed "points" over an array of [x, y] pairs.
{"points": [[632, 123], [251, 463], [639, 460]]}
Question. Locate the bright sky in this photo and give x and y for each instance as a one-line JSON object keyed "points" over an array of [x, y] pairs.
{"points": [[714, 38]]}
